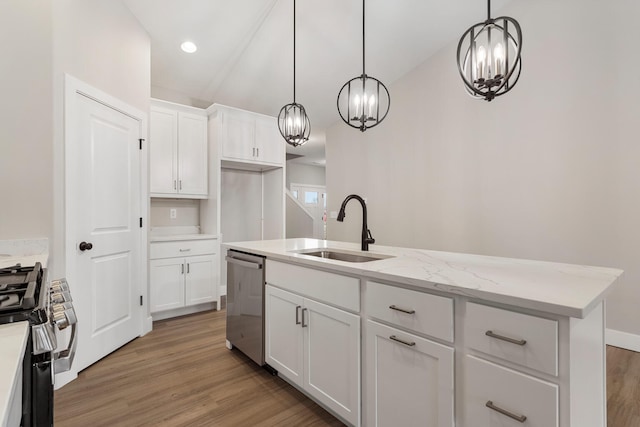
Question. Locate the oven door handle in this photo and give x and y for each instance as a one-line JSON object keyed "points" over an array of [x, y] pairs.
{"points": [[64, 359]]}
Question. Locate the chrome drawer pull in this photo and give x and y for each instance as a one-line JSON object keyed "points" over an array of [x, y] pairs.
{"points": [[393, 307], [503, 338], [407, 343], [185, 250], [519, 418]]}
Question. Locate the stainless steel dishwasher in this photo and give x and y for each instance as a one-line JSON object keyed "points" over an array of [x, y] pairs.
{"points": [[245, 304]]}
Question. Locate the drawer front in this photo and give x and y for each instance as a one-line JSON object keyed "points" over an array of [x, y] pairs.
{"points": [[498, 397], [417, 311], [519, 338], [182, 248], [335, 289]]}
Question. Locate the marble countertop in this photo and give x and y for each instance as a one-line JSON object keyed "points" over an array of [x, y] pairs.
{"points": [[178, 237], [563, 289], [23, 260], [173, 234], [13, 340]]}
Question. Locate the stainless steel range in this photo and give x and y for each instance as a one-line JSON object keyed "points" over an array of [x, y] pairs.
{"points": [[25, 295]]}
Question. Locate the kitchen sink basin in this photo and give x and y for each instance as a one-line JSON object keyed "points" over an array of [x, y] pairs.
{"points": [[341, 255]]}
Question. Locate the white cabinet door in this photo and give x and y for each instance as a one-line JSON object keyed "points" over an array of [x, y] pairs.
{"points": [[200, 283], [268, 142], [163, 151], [283, 333], [192, 154], [332, 358], [409, 381], [238, 134], [167, 284]]}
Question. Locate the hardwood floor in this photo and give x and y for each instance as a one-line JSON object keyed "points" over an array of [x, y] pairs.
{"points": [[181, 374], [623, 388]]}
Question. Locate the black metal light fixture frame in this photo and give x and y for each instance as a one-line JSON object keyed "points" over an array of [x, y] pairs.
{"points": [[293, 121], [494, 84], [358, 86]]}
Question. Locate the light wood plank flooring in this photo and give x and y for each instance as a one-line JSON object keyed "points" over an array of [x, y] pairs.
{"points": [[181, 374]]}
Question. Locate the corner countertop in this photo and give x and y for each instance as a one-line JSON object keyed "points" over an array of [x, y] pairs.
{"points": [[13, 340], [563, 289]]}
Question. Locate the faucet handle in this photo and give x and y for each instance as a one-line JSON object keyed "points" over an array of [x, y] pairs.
{"points": [[369, 239]]}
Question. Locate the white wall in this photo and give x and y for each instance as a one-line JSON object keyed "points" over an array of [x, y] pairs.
{"points": [[550, 171], [300, 173], [101, 43], [26, 121], [165, 94]]}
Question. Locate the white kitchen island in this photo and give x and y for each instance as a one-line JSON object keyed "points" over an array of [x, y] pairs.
{"points": [[434, 338]]}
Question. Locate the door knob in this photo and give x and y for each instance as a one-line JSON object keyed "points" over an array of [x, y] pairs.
{"points": [[84, 246]]}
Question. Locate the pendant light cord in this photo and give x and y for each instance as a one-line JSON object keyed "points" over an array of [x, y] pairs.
{"points": [[294, 51], [363, 72], [488, 9]]}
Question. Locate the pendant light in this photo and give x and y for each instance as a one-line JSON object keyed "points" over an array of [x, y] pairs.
{"points": [[363, 102], [293, 121], [489, 56]]}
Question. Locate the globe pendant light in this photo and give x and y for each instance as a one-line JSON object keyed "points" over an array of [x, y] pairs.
{"points": [[363, 102], [489, 56], [293, 121]]}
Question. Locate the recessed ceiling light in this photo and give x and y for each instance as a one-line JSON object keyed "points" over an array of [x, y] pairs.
{"points": [[189, 47]]}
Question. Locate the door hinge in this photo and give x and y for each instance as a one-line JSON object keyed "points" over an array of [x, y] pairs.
{"points": [[140, 299], [141, 140], [140, 222]]}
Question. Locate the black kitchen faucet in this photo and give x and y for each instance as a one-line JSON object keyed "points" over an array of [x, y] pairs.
{"points": [[366, 234]]}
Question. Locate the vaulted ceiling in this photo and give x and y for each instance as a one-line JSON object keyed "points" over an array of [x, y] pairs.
{"points": [[245, 50]]}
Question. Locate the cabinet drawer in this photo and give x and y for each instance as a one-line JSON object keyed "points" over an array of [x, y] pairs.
{"points": [[335, 289], [417, 311], [182, 248], [519, 338], [510, 394]]}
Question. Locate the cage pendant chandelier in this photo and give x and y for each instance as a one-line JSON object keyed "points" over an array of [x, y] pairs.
{"points": [[293, 122], [363, 102], [489, 59]]}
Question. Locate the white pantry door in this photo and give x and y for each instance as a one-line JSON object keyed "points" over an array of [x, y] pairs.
{"points": [[103, 209]]}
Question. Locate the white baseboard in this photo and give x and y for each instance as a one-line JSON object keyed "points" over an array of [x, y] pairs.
{"points": [[622, 339], [162, 315]]}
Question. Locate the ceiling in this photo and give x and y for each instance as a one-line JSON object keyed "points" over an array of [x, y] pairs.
{"points": [[245, 50]]}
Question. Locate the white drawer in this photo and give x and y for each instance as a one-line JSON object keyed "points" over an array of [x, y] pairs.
{"points": [[520, 395], [335, 289], [417, 311], [182, 248], [519, 338]]}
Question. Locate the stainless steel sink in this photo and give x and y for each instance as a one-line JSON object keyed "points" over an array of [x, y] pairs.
{"points": [[341, 255]]}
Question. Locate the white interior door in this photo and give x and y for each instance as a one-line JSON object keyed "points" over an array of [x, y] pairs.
{"points": [[103, 208], [314, 199]]}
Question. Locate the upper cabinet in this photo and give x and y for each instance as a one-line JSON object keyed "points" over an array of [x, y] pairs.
{"points": [[178, 151], [248, 137]]}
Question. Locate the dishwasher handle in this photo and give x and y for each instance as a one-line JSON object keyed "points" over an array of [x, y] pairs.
{"points": [[243, 263]]}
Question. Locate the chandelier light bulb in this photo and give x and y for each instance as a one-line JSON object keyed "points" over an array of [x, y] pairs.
{"points": [[498, 58]]}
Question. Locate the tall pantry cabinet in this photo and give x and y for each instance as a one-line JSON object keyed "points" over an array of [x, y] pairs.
{"points": [[247, 166]]}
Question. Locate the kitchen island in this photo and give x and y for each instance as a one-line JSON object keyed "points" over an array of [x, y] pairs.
{"points": [[437, 338]]}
